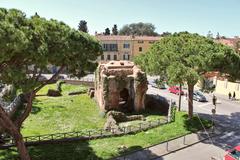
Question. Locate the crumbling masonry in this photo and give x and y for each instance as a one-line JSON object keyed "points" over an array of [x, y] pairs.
{"points": [[120, 85]]}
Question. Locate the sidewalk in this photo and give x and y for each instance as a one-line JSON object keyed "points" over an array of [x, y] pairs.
{"points": [[219, 96], [225, 98], [168, 147]]}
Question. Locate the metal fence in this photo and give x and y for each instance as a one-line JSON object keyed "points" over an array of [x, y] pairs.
{"points": [[165, 147], [87, 134]]}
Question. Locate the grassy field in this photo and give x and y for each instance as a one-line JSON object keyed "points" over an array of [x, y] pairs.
{"points": [[109, 147], [62, 114], [79, 112], [66, 113]]}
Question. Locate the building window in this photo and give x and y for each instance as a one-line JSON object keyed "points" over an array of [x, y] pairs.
{"points": [[104, 46], [102, 57], [126, 45], [140, 41], [110, 47], [108, 57], [113, 47], [115, 57], [126, 56], [140, 49]]}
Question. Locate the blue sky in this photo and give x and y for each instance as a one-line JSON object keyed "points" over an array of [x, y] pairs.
{"points": [[198, 16]]}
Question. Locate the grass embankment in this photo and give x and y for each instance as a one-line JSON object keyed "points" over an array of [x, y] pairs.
{"points": [[109, 147]]}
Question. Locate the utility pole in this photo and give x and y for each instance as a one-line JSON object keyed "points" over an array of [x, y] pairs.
{"points": [[180, 98]]}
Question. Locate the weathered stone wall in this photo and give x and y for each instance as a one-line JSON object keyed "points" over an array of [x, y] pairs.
{"points": [[120, 85]]}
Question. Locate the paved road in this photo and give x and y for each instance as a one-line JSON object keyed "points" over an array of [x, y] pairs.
{"points": [[214, 148], [199, 151], [227, 116]]}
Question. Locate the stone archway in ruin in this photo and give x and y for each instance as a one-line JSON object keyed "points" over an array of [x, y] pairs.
{"points": [[124, 97]]}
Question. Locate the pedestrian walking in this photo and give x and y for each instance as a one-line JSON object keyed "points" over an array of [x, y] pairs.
{"points": [[214, 100], [229, 95], [234, 95]]}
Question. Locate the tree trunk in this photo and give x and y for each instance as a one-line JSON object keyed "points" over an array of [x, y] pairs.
{"points": [[190, 100], [8, 125], [14, 128], [30, 96], [180, 97], [27, 111], [22, 149]]}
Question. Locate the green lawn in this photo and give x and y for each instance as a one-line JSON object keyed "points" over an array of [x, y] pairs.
{"points": [[62, 114], [67, 113], [79, 112], [109, 147]]}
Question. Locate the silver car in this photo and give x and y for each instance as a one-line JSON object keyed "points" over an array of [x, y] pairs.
{"points": [[198, 96]]}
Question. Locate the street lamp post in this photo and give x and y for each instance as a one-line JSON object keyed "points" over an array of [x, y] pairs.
{"points": [[214, 100]]}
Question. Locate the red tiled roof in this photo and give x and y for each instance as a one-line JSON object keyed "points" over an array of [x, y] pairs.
{"points": [[126, 38], [229, 41], [212, 74], [147, 38], [113, 38]]}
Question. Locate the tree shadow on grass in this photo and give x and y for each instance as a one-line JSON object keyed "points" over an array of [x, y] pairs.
{"points": [[9, 154], [122, 150], [62, 151], [194, 124]]}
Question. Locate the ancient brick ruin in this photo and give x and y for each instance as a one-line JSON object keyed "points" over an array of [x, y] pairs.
{"points": [[120, 85]]}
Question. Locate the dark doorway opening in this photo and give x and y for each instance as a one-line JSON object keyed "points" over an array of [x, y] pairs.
{"points": [[123, 100]]}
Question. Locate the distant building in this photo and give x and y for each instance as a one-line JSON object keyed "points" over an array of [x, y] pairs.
{"points": [[231, 42], [124, 47], [227, 41]]}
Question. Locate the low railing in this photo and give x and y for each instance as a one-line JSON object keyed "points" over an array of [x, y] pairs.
{"points": [[87, 134]]}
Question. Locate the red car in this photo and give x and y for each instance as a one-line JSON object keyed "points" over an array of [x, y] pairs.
{"points": [[175, 90], [233, 154]]}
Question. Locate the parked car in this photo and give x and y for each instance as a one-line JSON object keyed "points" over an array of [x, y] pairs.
{"points": [[233, 154], [198, 96], [175, 90]]}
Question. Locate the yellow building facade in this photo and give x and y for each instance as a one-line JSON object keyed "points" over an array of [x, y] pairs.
{"points": [[124, 47], [224, 87]]}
